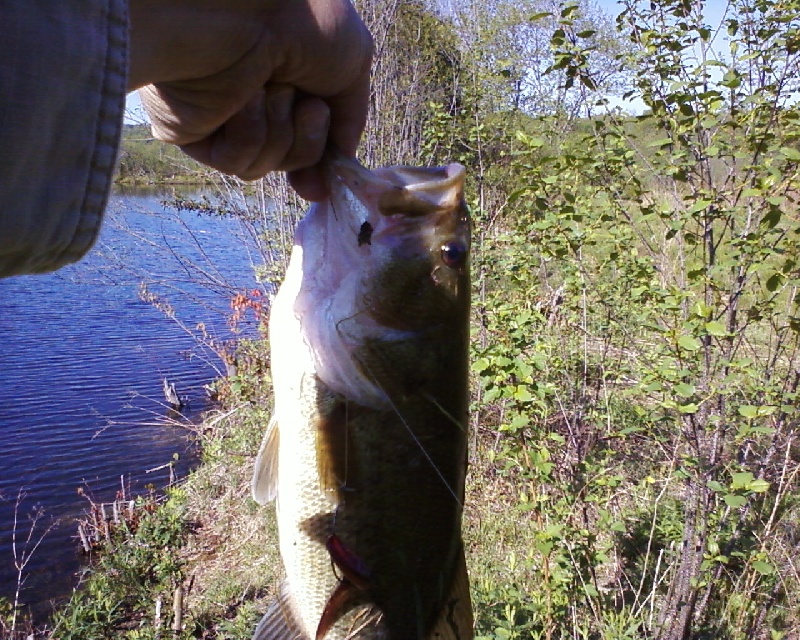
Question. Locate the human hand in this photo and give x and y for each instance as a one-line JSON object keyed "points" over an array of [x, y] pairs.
{"points": [[253, 86]]}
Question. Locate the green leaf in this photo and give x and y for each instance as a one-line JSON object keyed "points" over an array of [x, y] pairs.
{"points": [[692, 407], [522, 394], [772, 217], [732, 80], [517, 194], [741, 480], [567, 11], [790, 153], [759, 486], [661, 142], [748, 411], [715, 328], [701, 309], [618, 526], [700, 205], [734, 501], [518, 422], [764, 568], [715, 486], [535, 142], [689, 343], [590, 590], [683, 389], [588, 82]]}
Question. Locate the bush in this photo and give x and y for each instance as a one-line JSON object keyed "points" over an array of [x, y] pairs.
{"points": [[640, 343]]}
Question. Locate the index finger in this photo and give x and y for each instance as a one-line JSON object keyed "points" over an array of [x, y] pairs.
{"points": [[348, 117]]}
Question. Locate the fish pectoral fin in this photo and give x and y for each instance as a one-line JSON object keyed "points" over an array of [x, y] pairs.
{"points": [[265, 474], [336, 466], [280, 622], [455, 622]]}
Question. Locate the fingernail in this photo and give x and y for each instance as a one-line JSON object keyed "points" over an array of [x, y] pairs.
{"points": [[315, 128]]}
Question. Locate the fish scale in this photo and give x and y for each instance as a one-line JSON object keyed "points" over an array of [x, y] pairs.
{"points": [[366, 452]]}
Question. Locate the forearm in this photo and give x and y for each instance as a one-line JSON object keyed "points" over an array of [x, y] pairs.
{"points": [[62, 94]]}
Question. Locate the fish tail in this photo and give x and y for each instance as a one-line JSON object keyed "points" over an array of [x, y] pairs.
{"points": [[280, 622]]}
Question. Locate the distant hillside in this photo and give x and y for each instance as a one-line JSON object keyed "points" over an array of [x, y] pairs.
{"points": [[143, 159]]}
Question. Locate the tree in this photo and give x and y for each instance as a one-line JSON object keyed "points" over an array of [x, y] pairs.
{"points": [[417, 63], [509, 44]]}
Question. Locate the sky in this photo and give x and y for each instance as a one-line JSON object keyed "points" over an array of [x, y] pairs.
{"points": [[133, 109]]}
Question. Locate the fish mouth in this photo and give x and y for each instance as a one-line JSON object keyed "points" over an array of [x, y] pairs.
{"points": [[367, 198]]}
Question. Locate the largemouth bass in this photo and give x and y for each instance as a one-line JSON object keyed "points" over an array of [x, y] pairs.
{"points": [[367, 449]]}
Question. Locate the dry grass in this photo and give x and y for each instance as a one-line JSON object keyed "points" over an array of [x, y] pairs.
{"points": [[232, 560]]}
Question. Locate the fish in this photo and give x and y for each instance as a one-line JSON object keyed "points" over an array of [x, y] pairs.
{"points": [[366, 451]]}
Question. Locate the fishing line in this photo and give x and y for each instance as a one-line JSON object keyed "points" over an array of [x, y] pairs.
{"points": [[392, 405], [435, 402], [414, 437]]}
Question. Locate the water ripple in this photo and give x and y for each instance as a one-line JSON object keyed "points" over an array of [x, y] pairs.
{"points": [[82, 360]]}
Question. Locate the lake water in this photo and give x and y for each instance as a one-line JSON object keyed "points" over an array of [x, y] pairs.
{"points": [[82, 359]]}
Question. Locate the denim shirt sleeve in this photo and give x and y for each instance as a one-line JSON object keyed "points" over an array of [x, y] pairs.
{"points": [[63, 69]]}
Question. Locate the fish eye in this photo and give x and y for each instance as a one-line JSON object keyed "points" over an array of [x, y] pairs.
{"points": [[454, 254]]}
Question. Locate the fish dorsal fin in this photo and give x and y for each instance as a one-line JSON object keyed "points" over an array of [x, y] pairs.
{"points": [[280, 622], [265, 474], [455, 621]]}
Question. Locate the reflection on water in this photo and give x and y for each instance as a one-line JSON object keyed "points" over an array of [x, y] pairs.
{"points": [[82, 360], [159, 192]]}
